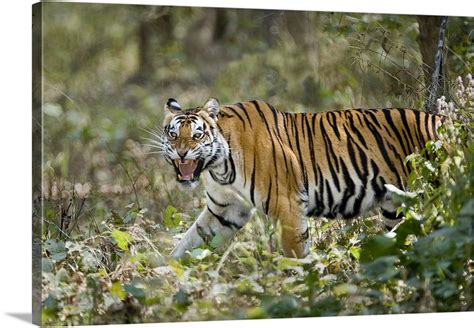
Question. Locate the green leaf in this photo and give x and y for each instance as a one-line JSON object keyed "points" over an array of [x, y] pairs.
{"points": [[62, 275], [56, 249], [54, 246], [90, 260], [377, 246], [171, 217], [117, 219], [344, 289], [50, 302], [122, 239], [182, 298], [135, 291], [286, 263], [199, 253], [59, 256], [381, 269], [408, 227], [217, 241], [355, 251], [280, 306], [177, 268], [117, 290], [47, 264], [468, 208]]}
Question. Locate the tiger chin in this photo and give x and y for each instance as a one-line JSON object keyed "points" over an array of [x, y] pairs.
{"points": [[290, 166]]}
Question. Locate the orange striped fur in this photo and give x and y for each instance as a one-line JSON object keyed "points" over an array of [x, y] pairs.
{"points": [[289, 165]]}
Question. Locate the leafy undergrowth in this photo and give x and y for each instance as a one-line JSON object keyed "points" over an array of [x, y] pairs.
{"points": [[120, 271]]}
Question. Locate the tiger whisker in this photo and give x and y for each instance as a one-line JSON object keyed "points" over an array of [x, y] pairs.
{"points": [[154, 141], [162, 148], [156, 133], [155, 152]]}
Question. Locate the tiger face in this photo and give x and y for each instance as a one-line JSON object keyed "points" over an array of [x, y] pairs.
{"points": [[191, 140]]}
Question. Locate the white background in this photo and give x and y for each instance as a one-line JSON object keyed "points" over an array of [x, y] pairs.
{"points": [[15, 158]]}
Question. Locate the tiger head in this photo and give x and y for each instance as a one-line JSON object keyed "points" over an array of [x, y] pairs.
{"points": [[191, 141]]}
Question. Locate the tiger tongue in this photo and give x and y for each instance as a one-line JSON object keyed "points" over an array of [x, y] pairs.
{"points": [[187, 168]]}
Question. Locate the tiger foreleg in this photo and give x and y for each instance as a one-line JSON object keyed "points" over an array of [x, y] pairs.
{"points": [[207, 226]]}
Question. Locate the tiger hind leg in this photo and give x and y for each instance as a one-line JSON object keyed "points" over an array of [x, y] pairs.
{"points": [[295, 236], [390, 217]]}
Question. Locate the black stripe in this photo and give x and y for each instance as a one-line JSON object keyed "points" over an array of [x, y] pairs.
{"points": [[241, 106], [433, 126], [363, 175], [349, 191], [406, 130], [303, 170], [204, 236], [333, 124], [428, 134], [329, 154], [320, 206], [252, 181], [313, 121], [275, 118], [379, 191], [329, 214], [302, 125], [269, 193], [373, 117], [352, 156], [361, 172], [228, 177], [287, 132], [236, 114], [392, 215], [388, 116], [262, 115], [400, 158], [304, 235], [284, 153], [223, 221], [311, 151], [383, 150], [418, 132], [212, 199]]}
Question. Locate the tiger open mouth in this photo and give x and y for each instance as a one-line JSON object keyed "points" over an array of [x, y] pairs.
{"points": [[188, 169]]}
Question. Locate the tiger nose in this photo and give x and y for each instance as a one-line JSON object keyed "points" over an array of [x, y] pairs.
{"points": [[182, 153]]}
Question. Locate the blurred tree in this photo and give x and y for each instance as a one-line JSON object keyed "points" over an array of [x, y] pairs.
{"points": [[220, 25], [298, 25], [155, 29], [428, 43]]}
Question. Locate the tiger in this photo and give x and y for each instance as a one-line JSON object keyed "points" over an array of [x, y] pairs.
{"points": [[289, 166]]}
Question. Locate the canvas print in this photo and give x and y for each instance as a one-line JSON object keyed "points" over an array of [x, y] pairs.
{"points": [[198, 164]]}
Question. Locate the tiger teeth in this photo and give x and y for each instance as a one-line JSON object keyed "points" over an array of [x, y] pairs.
{"points": [[181, 177], [186, 161]]}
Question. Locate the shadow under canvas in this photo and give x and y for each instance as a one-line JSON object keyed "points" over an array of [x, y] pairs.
{"points": [[21, 316]]}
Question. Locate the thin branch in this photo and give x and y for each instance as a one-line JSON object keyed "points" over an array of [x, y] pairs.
{"points": [[438, 67]]}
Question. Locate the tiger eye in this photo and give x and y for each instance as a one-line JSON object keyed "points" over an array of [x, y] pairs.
{"points": [[172, 135], [198, 136]]}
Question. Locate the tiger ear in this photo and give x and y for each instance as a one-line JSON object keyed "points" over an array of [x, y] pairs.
{"points": [[172, 106], [212, 106]]}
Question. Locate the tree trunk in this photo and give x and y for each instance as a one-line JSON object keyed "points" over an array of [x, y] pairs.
{"points": [[154, 30], [428, 43], [432, 45], [220, 25]]}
